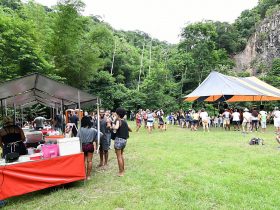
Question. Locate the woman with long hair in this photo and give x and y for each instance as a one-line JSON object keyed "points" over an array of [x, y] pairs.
{"points": [[88, 137], [122, 135]]}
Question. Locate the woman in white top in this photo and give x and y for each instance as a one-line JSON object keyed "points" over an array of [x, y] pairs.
{"points": [[236, 119], [150, 121], [204, 118]]}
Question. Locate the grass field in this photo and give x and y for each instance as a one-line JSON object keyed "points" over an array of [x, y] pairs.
{"points": [[176, 169]]}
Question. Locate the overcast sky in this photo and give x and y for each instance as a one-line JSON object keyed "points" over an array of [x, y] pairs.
{"points": [[162, 19]]}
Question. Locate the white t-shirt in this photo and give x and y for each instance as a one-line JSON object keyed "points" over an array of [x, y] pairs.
{"points": [[277, 114], [263, 116], [247, 117], [235, 116], [204, 116], [226, 114]]}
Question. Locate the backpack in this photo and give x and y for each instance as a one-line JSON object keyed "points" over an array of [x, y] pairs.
{"points": [[256, 141]]}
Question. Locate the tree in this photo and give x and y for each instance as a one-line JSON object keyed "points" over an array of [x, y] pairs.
{"points": [[273, 76]]}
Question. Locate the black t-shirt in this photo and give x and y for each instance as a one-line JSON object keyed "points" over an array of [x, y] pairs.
{"points": [[74, 119], [122, 132]]}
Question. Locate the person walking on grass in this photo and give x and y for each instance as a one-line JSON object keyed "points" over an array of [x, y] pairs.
{"points": [[105, 126], [227, 116], [195, 118], [88, 138], [246, 121], [263, 119], [205, 120], [276, 119], [138, 121], [162, 125], [150, 120], [122, 134], [236, 119], [255, 119]]}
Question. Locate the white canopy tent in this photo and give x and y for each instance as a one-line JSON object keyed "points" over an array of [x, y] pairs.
{"points": [[36, 88]]}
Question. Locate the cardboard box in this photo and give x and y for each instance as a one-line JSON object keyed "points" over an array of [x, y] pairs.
{"points": [[69, 146]]}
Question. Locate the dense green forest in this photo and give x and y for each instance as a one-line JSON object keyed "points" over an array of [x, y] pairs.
{"points": [[124, 68]]}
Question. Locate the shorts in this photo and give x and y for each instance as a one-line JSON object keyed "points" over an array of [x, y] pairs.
{"points": [[226, 121], [263, 124], [120, 143], [88, 148], [150, 124], [105, 142], [205, 123], [255, 122], [194, 122], [236, 122]]}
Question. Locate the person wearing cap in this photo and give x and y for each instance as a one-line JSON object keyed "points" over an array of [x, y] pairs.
{"points": [[12, 138], [246, 120]]}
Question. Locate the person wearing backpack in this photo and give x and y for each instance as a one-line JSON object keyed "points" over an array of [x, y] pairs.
{"points": [[122, 134], [255, 119]]}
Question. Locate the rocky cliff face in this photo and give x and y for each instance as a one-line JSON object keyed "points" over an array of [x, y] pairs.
{"points": [[262, 47]]}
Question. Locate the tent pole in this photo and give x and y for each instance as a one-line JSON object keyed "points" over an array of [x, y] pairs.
{"points": [[79, 106], [14, 113], [79, 115], [2, 111], [98, 125], [21, 115], [53, 112], [5, 102], [62, 115]]}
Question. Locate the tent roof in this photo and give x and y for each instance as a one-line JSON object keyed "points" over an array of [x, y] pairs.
{"points": [[41, 89], [219, 87]]}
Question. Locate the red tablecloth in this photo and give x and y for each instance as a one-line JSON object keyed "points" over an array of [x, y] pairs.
{"points": [[22, 178]]}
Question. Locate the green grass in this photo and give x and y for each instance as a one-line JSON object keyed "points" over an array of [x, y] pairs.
{"points": [[176, 169]]}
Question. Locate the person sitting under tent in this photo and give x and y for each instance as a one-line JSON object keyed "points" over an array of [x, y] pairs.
{"points": [[12, 138], [38, 122]]}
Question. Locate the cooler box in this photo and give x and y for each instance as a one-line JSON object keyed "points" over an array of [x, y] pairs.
{"points": [[33, 136], [50, 151], [69, 146], [53, 138]]}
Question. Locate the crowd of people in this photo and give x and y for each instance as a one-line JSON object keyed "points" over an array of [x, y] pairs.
{"points": [[244, 120], [112, 126]]}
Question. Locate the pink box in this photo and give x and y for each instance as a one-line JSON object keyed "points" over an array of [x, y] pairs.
{"points": [[50, 150]]}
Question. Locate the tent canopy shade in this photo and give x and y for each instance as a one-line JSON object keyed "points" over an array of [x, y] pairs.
{"points": [[219, 87], [46, 91]]}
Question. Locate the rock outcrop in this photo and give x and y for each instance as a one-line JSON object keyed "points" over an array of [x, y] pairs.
{"points": [[262, 47]]}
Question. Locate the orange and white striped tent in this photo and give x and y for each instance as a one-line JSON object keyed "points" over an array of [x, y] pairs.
{"points": [[219, 87]]}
